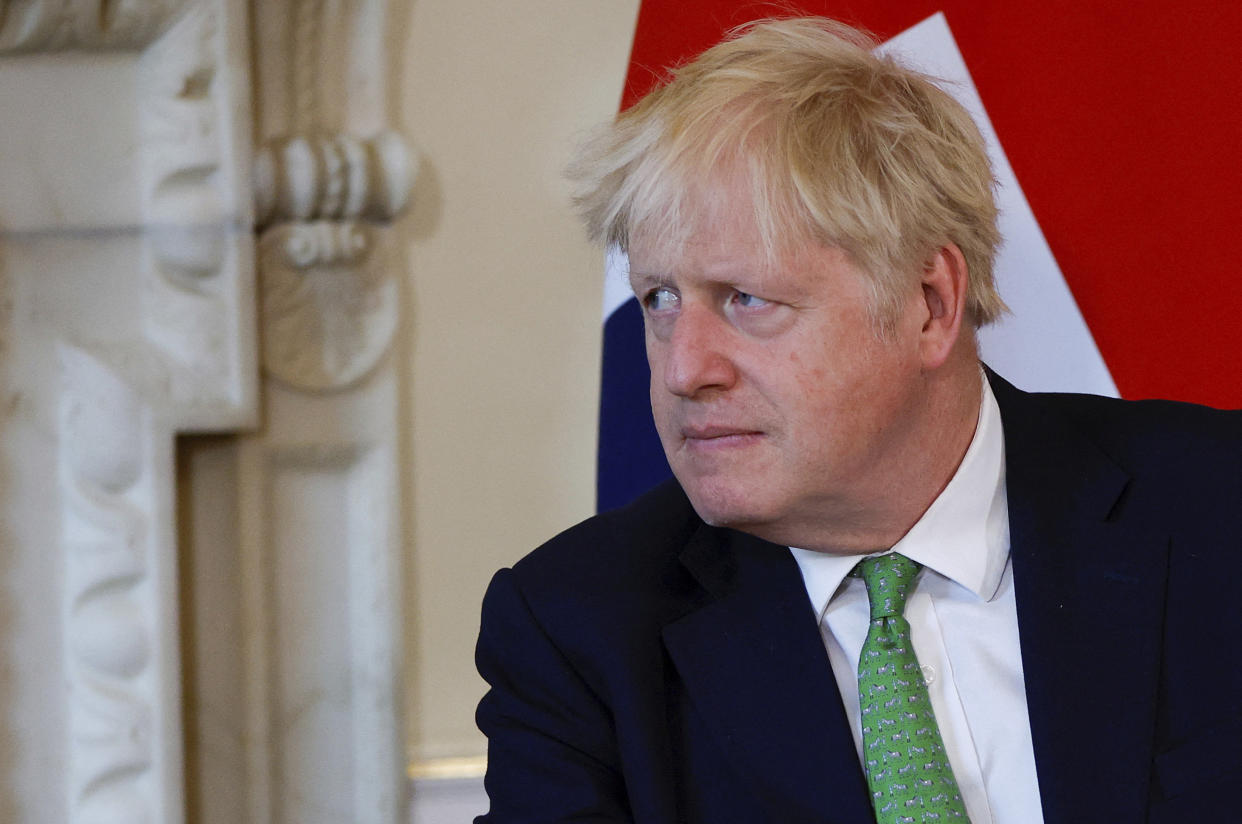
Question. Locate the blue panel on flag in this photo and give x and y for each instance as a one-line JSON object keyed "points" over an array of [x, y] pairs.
{"points": [[631, 460]]}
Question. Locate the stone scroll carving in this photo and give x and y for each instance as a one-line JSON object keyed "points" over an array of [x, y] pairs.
{"points": [[328, 291], [329, 306], [329, 296], [334, 177], [197, 258], [118, 761]]}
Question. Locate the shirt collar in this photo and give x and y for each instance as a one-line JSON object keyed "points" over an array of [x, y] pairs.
{"points": [[963, 535]]}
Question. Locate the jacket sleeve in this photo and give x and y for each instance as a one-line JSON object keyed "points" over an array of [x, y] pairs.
{"points": [[552, 754]]}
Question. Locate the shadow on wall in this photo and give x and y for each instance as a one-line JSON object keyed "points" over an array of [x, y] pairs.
{"points": [[427, 203], [209, 579]]}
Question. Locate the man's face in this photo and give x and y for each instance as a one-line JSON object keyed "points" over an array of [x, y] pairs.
{"points": [[777, 401]]}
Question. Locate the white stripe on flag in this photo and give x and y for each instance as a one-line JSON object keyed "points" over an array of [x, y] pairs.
{"points": [[1044, 345]]}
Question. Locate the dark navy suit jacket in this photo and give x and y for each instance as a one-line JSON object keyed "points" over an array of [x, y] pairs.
{"points": [[646, 667]]}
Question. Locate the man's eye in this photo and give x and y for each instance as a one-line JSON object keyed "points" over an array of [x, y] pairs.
{"points": [[748, 300], [660, 300]]}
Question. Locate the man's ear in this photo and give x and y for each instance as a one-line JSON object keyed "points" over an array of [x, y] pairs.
{"points": [[944, 283]]}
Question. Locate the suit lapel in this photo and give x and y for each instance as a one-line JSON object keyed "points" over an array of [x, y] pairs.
{"points": [[755, 667], [1089, 583]]}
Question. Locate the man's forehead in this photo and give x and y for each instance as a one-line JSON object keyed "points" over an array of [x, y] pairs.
{"points": [[711, 236]]}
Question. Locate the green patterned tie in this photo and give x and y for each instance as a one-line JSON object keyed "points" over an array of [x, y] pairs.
{"points": [[905, 761]]}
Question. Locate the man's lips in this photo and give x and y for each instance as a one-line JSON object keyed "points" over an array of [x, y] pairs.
{"points": [[718, 437]]}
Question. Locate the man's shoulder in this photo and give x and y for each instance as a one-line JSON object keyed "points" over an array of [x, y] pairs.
{"points": [[622, 561], [1153, 429], [1185, 459], [655, 524], [1144, 427]]}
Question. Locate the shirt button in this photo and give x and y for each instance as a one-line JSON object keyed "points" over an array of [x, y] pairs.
{"points": [[929, 673]]}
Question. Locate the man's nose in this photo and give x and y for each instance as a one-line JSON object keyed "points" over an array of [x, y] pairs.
{"points": [[696, 359]]}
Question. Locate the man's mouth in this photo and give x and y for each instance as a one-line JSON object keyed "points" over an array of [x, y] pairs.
{"points": [[713, 437]]}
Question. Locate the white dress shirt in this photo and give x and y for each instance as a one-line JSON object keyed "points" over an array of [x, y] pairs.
{"points": [[964, 627]]}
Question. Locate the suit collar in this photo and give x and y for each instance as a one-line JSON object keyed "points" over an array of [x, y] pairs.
{"points": [[1089, 585], [755, 668]]}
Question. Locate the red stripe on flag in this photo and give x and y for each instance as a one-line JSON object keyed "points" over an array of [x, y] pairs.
{"points": [[1123, 127]]}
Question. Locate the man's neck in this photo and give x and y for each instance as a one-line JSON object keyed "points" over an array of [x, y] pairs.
{"points": [[913, 478]]}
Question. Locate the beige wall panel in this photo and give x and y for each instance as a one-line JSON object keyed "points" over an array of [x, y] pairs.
{"points": [[505, 299]]}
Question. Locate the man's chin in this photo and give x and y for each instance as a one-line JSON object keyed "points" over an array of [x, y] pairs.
{"points": [[727, 508]]}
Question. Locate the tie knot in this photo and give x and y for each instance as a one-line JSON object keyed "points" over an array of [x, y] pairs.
{"points": [[888, 578]]}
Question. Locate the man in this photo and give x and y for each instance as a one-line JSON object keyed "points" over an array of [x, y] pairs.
{"points": [[886, 585]]}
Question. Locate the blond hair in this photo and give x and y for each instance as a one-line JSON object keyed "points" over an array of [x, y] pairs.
{"points": [[838, 145]]}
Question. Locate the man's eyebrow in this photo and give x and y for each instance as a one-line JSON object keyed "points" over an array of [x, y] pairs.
{"points": [[638, 278]]}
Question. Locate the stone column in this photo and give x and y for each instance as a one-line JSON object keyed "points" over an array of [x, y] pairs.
{"points": [[319, 491]]}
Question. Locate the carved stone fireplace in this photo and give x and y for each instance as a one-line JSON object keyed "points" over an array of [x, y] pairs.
{"points": [[194, 207]]}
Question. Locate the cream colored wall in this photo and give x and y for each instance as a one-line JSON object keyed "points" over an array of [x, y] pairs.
{"points": [[504, 297]]}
